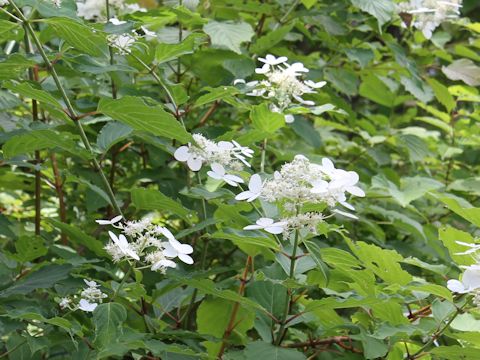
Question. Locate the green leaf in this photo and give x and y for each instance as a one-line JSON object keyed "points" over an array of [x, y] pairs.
{"points": [[150, 199], [216, 94], [266, 120], [471, 214], [228, 35], [417, 88], [464, 70], [10, 31], [264, 350], [79, 237], [26, 89], [108, 320], [14, 66], [29, 248], [43, 278], [112, 133], [442, 94], [33, 140], [248, 241], [269, 295], [456, 352], [315, 252], [346, 81], [384, 263], [269, 40], [133, 112], [168, 52], [382, 10], [79, 36], [374, 89], [449, 237], [306, 131], [433, 289]]}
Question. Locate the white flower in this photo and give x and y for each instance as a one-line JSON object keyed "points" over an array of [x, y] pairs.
{"points": [[112, 221], [175, 248], [64, 302], [122, 42], [116, 22], [272, 60], [315, 85], [149, 35], [268, 225], [84, 305], [470, 281], [183, 154], [123, 246], [254, 189], [218, 173], [344, 213], [289, 118], [473, 248]]}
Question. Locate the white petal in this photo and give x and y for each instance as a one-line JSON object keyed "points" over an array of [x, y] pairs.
{"points": [[103, 222], [194, 163], [355, 190], [263, 70], [185, 258], [347, 205], [456, 286], [116, 219], [214, 175], [265, 222], [244, 195], [289, 118], [86, 306], [340, 212], [182, 153], [113, 237], [181, 248], [169, 250], [255, 183], [234, 178], [251, 198], [238, 81], [253, 227], [274, 229], [218, 168], [225, 145], [471, 278], [167, 233]]}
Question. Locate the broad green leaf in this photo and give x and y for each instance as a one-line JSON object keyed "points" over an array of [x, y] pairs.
{"points": [[384, 263], [316, 254], [112, 133], [306, 130], [228, 35], [248, 241], [13, 66], [417, 88], [264, 350], [57, 321], [266, 120], [346, 81], [455, 352], [168, 52], [269, 40], [133, 112], [10, 31], [433, 289], [389, 311], [79, 36], [26, 89], [442, 94], [29, 248], [80, 238], [464, 70], [44, 278], [150, 199], [33, 140], [108, 320], [449, 237], [216, 94], [382, 10], [471, 214], [374, 89], [270, 296]]}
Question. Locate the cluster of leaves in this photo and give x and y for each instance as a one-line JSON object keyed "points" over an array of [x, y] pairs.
{"points": [[399, 109]]}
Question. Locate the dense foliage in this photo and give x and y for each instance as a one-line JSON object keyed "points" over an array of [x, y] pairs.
{"points": [[240, 179]]}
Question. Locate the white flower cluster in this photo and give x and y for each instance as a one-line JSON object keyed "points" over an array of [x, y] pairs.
{"points": [[90, 297], [221, 155], [429, 14], [283, 85], [95, 9], [148, 241], [122, 42], [298, 183], [470, 283]]}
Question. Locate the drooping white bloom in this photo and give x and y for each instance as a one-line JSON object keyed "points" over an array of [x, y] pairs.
{"points": [[267, 224], [64, 303], [122, 246], [429, 14], [218, 173], [205, 151], [470, 281], [92, 293], [122, 42], [283, 85], [95, 9], [112, 221], [254, 189], [84, 305], [147, 244], [116, 22]]}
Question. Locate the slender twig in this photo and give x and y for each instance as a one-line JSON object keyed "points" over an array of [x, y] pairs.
{"points": [[231, 323], [71, 111], [120, 286], [111, 53], [61, 199], [209, 112], [264, 150]]}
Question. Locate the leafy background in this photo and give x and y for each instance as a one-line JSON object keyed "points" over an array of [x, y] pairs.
{"points": [[400, 110]]}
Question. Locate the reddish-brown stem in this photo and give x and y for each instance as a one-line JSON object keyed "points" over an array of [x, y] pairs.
{"points": [[207, 115], [338, 340], [231, 323], [61, 199]]}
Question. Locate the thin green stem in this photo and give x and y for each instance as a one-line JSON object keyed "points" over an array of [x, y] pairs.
{"points": [[110, 50], [293, 259], [71, 111], [264, 150], [120, 286]]}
